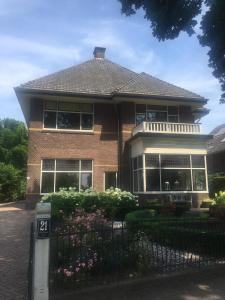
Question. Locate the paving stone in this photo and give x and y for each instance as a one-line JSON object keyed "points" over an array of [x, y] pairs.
{"points": [[14, 250]]}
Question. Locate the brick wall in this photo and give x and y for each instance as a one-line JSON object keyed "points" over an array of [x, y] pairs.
{"points": [[101, 145]]}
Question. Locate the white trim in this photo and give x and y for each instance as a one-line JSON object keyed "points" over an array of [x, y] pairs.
{"points": [[167, 168], [173, 192], [144, 173], [79, 172], [206, 173], [156, 110], [66, 111]]}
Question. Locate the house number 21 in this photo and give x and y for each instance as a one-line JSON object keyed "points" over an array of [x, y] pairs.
{"points": [[43, 228]]}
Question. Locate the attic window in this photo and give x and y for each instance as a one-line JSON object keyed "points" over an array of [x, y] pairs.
{"points": [[68, 116]]}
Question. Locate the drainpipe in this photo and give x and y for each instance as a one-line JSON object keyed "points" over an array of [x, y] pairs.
{"points": [[118, 141]]}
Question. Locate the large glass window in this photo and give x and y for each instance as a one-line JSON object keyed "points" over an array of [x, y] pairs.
{"points": [[169, 172], [156, 113], [68, 115], [199, 180], [65, 173], [138, 177], [152, 180], [176, 180]]}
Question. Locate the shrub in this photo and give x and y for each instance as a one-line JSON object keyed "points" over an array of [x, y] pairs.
{"points": [[114, 202], [12, 183], [207, 203], [140, 215], [217, 211], [181, 207], [220, 198], [216, 184]]}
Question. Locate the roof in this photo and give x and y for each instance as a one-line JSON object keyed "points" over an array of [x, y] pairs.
{"points": [[217, 143], [105, 78]]}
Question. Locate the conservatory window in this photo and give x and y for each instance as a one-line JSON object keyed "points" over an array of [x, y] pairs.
{"points": [[169, 172]]}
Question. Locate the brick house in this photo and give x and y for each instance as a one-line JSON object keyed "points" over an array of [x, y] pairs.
{"points": [[99, 124]]}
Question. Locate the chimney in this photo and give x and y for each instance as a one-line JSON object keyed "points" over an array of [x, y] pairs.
{"points": [[99, 52]]}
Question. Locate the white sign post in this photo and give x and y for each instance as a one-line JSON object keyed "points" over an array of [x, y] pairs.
{"points": [[41, 252]]}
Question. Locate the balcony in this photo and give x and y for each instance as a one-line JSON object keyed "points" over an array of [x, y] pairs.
{"points": [[166, 127]]}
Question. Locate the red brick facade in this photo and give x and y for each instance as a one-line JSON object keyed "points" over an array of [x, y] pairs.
{"points": [[101, 146]]}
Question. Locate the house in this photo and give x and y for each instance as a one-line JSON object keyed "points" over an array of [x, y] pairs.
{"points": [[99, 125], [216, 150]]}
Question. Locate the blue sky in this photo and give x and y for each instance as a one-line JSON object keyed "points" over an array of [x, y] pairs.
{"points": [[38, 37]]}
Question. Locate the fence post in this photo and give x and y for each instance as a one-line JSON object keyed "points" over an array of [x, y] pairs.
{"points": [[41, 252]]}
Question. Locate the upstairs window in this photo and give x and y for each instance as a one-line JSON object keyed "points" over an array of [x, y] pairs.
{"points": [[68, 115], [156, 113]]}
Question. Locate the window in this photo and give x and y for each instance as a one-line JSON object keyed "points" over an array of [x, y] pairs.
{"points": [[156, 113], [110, 180], [65, 173], [152, 180], [138, 178], [169, 172], [176, 180], [68, 115]]}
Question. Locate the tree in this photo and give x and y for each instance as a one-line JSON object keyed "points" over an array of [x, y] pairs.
{"points": [[170, 17], [13, 159]]}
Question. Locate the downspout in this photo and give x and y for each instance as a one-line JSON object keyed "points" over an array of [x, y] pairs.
{"points": [[118, 141]]}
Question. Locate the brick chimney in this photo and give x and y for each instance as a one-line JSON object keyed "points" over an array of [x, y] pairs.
{"points": [[99, 52]]}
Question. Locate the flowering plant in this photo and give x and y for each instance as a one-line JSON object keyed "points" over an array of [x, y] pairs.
{"points": [[80, 231]]}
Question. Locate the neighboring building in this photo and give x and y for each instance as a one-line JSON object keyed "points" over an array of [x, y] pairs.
{"points": [[99, 124], [216, 150]]}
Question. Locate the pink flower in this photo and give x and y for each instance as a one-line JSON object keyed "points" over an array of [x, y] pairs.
{"points": [[69, 273]]}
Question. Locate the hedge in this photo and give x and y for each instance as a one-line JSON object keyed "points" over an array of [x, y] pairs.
{"points": [[115, 203]]}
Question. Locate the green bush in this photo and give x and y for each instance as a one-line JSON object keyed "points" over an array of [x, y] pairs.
{"points": [[217, 211], [12, 183], [220, 198], [140, 215], [181, 207], [114, 202], [216, 184]]}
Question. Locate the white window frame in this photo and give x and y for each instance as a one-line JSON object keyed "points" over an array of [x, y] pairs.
{"points": [[191, 168], [66, 111], [155, 110], [79, 172]]}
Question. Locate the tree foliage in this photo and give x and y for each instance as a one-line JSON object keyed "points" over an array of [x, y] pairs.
{"points": [[13, 158], [170, 17]]}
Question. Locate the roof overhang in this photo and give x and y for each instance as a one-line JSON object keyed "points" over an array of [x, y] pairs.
{"points": [[202, 137]]}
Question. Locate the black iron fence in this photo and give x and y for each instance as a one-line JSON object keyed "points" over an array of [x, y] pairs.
{"points": [[106, 253]]}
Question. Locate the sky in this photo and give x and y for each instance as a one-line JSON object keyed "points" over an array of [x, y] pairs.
{"points": [[39, 37]]}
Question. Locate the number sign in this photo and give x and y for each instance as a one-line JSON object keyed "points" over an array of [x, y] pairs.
{"points": [[43, 228]]}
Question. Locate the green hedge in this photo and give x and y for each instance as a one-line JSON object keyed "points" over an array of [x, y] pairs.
{"points": [[114, 202]]}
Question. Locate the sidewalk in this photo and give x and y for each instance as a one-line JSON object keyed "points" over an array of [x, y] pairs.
{"points": [[14, 250], [207, 284]]}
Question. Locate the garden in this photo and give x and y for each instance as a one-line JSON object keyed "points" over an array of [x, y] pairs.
{"points": [[101, 237]]}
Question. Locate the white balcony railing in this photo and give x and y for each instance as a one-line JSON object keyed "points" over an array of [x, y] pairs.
{"points": [[166, 127]]}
